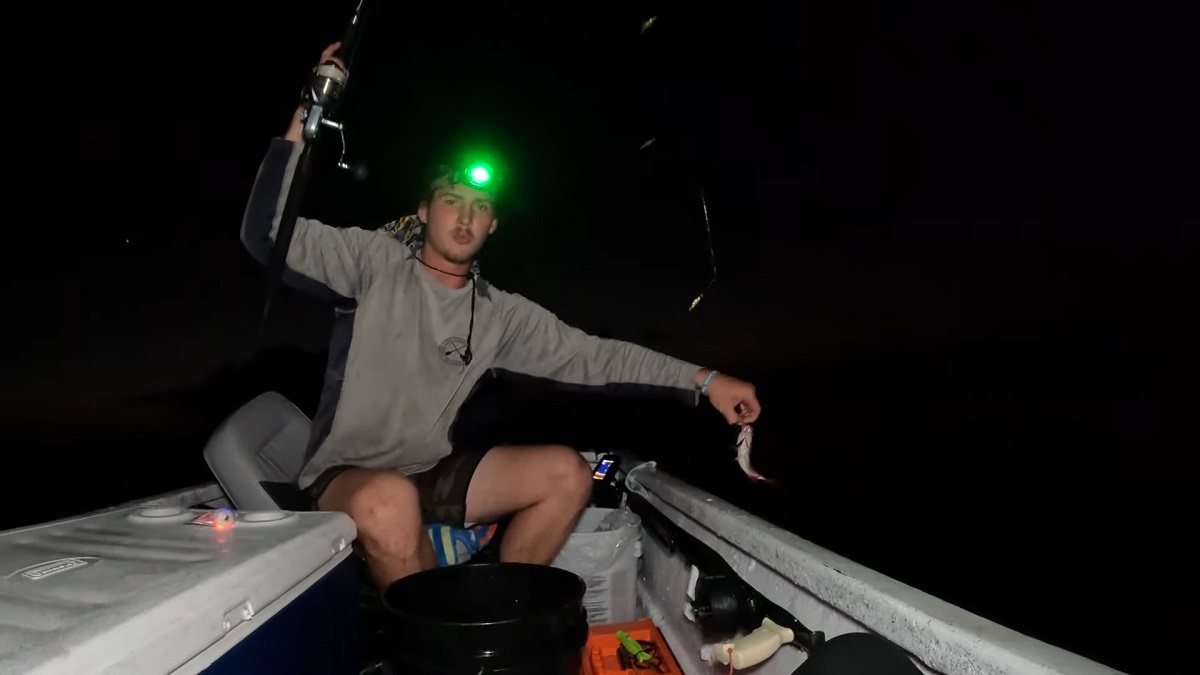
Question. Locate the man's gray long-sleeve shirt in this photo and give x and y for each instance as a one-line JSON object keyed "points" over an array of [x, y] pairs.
{"points": [[404, 381]]}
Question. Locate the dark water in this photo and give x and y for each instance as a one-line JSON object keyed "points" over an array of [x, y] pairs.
{"points": [[1041, 501]]}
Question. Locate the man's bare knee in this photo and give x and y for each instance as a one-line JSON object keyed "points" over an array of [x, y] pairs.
{"points": [[571, 477], [385, 508], [549, 486]]}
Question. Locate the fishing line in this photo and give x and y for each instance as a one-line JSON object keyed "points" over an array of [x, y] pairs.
{"points": [[712, 255]]}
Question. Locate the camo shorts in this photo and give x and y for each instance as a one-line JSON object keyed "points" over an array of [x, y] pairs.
{"points": [[442, 490]]}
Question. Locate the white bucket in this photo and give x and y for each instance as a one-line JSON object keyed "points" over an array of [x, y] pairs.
{"points": [[607, 562]]}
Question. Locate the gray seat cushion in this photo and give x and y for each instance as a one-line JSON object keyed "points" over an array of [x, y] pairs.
{"points": [[257, 454]]}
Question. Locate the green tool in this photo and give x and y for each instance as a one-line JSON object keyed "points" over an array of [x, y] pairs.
{"points": [[644, 655], [634, 647]]}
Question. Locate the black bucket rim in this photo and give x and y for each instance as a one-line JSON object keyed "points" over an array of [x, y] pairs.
{"points": [[565, 575]]}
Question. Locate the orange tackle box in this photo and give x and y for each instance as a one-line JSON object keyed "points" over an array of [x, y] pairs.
{"points": [[600, 654]]}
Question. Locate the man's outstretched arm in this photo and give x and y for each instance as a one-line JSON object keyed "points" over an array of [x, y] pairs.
{"points": [[539, 344]]}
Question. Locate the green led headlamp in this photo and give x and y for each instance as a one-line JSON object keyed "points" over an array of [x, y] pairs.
{"points": [[478, 175], [477, 168]]}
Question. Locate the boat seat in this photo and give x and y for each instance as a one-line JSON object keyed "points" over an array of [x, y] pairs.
{"points": [[257, 454]]}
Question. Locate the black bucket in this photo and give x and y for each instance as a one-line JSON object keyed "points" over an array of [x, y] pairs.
{"points": [[500, 618]]}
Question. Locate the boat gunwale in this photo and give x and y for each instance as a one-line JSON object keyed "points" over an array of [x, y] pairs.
{"points": [[944, 637]]}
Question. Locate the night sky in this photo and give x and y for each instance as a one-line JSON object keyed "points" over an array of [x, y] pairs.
{"points": [[955, 252]]}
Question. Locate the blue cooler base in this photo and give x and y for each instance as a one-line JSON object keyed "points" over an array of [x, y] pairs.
{"points": [[316, 633]]}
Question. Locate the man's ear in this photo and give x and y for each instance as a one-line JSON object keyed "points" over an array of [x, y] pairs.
{"points": [[423, 212], [495, 224]]}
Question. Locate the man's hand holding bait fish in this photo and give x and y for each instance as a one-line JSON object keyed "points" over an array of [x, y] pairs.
{"points": [[736, 400]]}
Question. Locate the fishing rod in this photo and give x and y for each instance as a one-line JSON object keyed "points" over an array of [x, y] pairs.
{"points": [[723, 604], [320, 104]]}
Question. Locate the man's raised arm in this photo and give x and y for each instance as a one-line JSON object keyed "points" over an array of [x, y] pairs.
{"points": [[539, 344], [339, 259], [321, 258]]}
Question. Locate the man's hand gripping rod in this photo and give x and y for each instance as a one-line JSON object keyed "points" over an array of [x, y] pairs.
{"points": [[323, 93], [320, 98]]}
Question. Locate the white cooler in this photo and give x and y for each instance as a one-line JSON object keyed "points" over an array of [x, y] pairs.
{"points": [[146, 590]]}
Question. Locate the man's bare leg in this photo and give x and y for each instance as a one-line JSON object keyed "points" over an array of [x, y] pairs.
{"points": [[386, 510], [546, 487]]}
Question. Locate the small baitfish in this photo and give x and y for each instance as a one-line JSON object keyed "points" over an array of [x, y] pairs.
{"points": [[744, 439]]}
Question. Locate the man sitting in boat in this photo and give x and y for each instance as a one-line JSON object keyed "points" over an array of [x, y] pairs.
{"points": [[425, 330]]}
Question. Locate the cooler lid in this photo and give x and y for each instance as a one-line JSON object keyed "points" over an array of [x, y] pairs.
{"points": [[144, 589]]}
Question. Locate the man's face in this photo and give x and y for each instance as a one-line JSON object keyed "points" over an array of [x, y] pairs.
{"points": [[458, 219]]}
